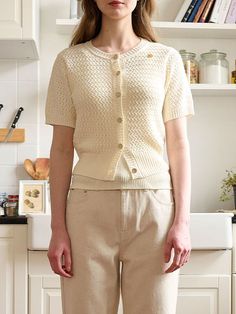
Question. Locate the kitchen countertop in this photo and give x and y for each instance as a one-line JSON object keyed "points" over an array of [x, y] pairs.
{"points": [[23, 219]]}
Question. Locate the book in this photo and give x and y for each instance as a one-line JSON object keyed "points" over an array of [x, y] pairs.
{"points": [[194, 12], [189, 11], [231, 15], [200, 11], [223, 11], [207, 11], [216, 11], [183, 10]]}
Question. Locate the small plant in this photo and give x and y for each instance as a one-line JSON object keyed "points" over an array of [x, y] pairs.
{"points": [[227, 184]]}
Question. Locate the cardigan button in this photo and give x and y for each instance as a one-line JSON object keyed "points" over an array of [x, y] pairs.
{"points": [[115, 56], [118, 94], [119, 119], [120, 145], [134, 170], [117, 72]]}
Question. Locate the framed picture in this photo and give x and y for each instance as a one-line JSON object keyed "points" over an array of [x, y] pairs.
{"points": [[33, 196]]}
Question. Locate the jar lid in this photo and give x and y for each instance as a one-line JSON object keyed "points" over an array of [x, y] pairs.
{"points": [[213, 52], [183, 52]]}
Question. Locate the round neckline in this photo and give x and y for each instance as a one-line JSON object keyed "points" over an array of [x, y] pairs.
{"points": [[109, 55]]}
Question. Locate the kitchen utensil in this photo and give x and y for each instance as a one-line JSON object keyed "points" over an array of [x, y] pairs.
{"points": [[13, 125]]}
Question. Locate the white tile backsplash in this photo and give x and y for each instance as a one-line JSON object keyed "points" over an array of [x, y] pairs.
{"points": [[8, 70], [8, 154], [25, 151], [28, 99], [18, 87], [27, 70]]}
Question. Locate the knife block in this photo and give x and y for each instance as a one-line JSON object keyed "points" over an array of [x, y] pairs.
{"points": [[18, 135]]}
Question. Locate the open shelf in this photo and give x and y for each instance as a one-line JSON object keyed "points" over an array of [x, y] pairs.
{"points": [[171, 29], [213, 89]]}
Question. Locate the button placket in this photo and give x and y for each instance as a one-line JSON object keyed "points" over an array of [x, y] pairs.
{"points": [[117, 92]]}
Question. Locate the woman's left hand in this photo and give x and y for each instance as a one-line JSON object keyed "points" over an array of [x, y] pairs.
{"points": [[178, 238]]}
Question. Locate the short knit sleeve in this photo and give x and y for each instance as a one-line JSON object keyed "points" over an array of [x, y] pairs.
{"points": [[59, 108], [178, 101]]}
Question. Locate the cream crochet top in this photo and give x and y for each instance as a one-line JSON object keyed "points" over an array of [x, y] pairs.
{"points": [[118, 104]]}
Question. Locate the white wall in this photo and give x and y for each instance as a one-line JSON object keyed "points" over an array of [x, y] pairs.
{"points": [[18, 87], [211, 130]]}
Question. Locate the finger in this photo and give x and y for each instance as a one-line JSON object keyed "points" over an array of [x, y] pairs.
{"points": [[186, 258], [172, 268], [167, 251], [175, 264], [67, 256], [57, 266]]}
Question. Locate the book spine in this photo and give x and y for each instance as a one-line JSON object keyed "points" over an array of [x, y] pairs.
{"points": [[223, 11], [194, 12], [189, 11], [216, 11], [231, 16], [182, 10], [206, 11], [199, 12]]}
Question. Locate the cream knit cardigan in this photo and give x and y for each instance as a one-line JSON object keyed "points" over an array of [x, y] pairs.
{"points": [[118, 104]]}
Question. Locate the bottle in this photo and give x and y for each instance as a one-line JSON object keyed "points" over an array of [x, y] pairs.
{"points": [[214, 68], [233, 75], [3, 199], [190, 65], [79, 9], [73, 9]]}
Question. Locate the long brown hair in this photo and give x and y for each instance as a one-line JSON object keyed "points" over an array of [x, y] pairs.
{"points": [[91, 20]]}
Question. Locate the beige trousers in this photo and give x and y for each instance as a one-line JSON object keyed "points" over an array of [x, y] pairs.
{"points": [[109, 227]]}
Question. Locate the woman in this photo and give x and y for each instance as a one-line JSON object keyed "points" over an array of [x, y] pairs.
{"points": [[116, 95]]}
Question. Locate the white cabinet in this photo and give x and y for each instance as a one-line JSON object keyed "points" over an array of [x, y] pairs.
{"points": [[13, 269], [205, 283], [234, 272], [19, 29], [44, 285], [204, 294]]}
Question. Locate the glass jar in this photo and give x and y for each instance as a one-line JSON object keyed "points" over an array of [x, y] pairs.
{"points": [[214, 68], [3, 199], [75, 9], [79, 9], [190, 66], [11, 206], [233, 75]]}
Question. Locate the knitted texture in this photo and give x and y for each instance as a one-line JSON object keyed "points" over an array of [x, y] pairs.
{"points": [[118, 104]]}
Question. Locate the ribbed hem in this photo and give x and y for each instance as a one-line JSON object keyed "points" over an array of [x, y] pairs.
{"points": [[156, 181]]}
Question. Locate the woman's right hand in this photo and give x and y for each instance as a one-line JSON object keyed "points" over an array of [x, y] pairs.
{"points": [[59, 248]]}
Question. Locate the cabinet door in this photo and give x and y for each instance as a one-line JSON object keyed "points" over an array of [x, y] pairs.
{"points": [[234, 294], [205, 294], [6, 275], [11, 19], [13, 269], [44, 294]]}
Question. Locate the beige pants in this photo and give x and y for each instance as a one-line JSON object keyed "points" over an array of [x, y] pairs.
{"points": [[107, 227]]}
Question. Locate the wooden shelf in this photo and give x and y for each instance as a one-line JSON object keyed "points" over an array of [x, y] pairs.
{"points": [[213, 89], [171, 29]]}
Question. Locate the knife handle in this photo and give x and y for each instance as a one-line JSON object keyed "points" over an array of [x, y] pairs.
{"points": [[17, 117], [1, 106]]}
